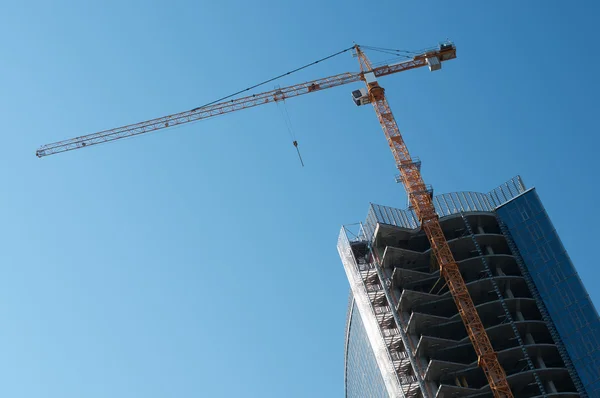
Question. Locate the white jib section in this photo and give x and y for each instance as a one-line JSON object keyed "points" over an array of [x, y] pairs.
{"points": [[368, 317]]}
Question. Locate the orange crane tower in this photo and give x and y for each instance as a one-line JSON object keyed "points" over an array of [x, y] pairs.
{"points": [[418, 193]]}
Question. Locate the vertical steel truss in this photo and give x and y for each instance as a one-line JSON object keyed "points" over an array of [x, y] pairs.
{"points": [[422, 203]]}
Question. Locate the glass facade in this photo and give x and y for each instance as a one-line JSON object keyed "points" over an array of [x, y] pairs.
{"points": [[363, 378], [560, 288]]}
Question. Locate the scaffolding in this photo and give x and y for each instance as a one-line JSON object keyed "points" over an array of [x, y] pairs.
{"points": [[370, 291], [408, 311]]}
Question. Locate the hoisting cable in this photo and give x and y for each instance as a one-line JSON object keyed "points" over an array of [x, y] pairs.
{"points": [[288, 124], [286, 117], [273, 79], [291, 131]]}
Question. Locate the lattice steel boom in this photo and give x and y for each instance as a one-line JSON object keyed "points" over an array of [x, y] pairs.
{"points": [[235, 105], [421, 200]]}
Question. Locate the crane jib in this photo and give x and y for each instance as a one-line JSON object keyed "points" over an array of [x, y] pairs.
{"points": [[229, 106]]}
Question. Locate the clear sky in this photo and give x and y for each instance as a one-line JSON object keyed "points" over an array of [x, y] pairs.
{"points": [[201, 261]]}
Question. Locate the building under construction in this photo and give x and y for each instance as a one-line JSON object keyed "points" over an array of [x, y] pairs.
{"points": [[404, 335]]}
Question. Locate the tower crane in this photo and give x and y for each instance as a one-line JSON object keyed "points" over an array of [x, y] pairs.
{"points": [[419, 195]]}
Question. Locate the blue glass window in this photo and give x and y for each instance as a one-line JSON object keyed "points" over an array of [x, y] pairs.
{"points": [[363, 378], [572, 312]]}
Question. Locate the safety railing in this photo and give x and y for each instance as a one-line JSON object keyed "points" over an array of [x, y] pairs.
{"points": [[445, 205]]}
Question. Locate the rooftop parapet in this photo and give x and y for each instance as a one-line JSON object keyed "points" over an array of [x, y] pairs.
{"points": [[445, 205]]}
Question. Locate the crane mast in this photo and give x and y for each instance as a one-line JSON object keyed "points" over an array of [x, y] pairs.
{"points": [[421, 200], [419, 195]]}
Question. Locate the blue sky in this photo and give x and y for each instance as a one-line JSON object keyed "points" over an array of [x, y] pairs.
{"points": [[201, 261]]}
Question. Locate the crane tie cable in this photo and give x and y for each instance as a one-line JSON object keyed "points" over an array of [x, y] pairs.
{"points": [[382, 49], [273, 79]]}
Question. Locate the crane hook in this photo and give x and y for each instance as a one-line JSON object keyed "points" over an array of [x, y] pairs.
{"points": [[298, 150]]}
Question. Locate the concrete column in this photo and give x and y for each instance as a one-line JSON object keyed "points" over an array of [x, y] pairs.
{"points": [[519, 316], [508, 293], [548, 384], [480, 230], [540, 362], [529, 339], [431, 386], [550, 387]]}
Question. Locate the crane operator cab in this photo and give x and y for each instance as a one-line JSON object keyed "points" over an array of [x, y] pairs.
{"points": [[361, 97]]}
